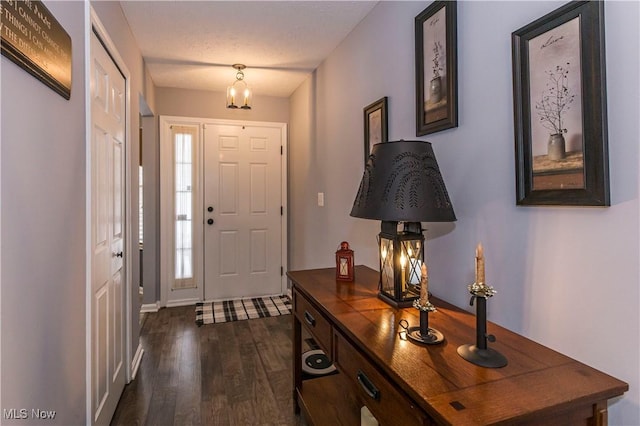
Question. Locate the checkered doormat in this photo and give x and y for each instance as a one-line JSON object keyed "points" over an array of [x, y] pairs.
{"points": [[242, 309]]}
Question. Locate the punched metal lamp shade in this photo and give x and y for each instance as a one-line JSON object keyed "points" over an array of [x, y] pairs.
{"points": [[402, 183]]}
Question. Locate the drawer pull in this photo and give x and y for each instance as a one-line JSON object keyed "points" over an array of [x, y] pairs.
{"points": [[367, 386], [309, 319]]}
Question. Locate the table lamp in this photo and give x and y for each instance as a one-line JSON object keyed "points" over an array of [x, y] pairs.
{"points": [[402, 184]]}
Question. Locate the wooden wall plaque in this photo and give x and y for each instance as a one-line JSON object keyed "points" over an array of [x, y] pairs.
{"points": [[35, 40]]}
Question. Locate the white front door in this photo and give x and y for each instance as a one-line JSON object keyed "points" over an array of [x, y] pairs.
{"points": [[108, 114], [242, 214]]}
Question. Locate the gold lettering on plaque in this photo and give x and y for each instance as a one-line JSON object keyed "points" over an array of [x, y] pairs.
{"points": [[35, 40]]}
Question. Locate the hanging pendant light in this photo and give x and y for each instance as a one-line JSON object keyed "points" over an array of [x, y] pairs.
{"points": [[239, 94]]}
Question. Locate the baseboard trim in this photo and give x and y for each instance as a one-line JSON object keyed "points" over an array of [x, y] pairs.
{"points": [[182, 302], [137, 359], [150, 307]]}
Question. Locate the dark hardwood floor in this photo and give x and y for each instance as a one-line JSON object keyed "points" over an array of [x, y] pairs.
{"points": [[236, 373]]}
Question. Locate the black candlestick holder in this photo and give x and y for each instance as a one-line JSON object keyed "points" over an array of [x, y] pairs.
{"points": [[424, 334], [479, 353]]}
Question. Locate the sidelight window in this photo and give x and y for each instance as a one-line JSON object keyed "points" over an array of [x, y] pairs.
{"points": [[183, 139]]}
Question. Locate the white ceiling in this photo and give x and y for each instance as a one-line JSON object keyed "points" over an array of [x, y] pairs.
{"points": [[192, 44]]}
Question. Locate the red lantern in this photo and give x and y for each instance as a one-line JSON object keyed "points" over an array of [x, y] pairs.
{"points": [[344, 263]]}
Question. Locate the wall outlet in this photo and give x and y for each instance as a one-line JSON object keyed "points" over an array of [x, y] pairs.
{"points": [[321, 199]]}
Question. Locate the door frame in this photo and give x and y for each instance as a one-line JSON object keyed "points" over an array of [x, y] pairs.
{"points": [[95, 25], [165, 186]]}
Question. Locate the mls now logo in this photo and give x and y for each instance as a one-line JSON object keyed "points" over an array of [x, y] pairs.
{"points": [[23, 413]]}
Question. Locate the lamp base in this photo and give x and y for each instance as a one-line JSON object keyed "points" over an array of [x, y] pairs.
{"points": [[396, 304], [432, 338], [489, 358]]}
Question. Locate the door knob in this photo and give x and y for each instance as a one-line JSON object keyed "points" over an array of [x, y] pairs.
{"points": [[210, 221], [209, 209]]}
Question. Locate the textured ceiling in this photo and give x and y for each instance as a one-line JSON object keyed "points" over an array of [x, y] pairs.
{"points": [[192, 44]]}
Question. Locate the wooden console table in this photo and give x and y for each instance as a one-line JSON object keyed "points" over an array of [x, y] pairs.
{"points": [[403, 383]]}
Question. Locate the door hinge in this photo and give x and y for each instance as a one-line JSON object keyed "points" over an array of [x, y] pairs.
{"points": [[281, 149], [281, 211], [281, 271]]}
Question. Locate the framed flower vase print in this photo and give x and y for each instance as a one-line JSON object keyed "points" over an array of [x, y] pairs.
{"points": [[436, 68], [375, 125], [560, 108]]}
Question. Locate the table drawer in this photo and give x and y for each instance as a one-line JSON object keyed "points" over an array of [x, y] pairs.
{"points": [[313, 321], [386, 403]]}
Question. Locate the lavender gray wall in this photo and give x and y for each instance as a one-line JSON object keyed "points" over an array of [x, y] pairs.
{"points": [[206, 104], [43, 237], [566, 277]]}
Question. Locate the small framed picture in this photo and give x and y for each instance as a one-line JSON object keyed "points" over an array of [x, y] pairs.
{"points": [[436, 68], [560, 108], [375, 125]]}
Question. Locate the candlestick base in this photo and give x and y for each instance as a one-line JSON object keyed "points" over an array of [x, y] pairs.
{"points": [[423, 333], [489, 358], [433, 336]]}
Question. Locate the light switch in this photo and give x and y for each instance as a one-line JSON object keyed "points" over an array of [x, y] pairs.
{"points": [[321, 199]]}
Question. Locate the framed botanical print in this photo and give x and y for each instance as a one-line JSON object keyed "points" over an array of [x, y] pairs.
{"points": [[436, 68], [560, 108], [375, 125]]}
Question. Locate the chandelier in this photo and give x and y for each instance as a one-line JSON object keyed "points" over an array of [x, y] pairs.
{"points": [[239, 94]]}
